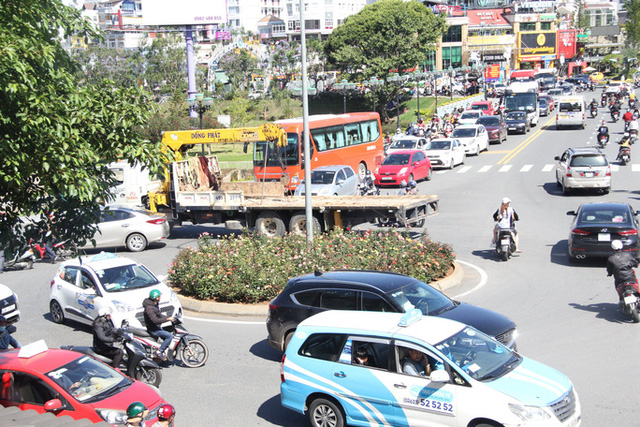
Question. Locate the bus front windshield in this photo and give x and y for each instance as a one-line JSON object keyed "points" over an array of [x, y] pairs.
{"points": [[521, 102], [277, 156]]}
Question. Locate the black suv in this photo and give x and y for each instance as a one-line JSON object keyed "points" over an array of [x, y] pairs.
{"points": [[307, 295]]}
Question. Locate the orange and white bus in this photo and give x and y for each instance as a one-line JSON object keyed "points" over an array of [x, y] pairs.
{"points": [[353, 139]]}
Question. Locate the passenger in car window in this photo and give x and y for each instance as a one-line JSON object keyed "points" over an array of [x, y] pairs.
{"points": [[416, 363], [361, 356]]}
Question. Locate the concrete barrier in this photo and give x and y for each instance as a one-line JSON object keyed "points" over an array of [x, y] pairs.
{"points": [[460, 102]]}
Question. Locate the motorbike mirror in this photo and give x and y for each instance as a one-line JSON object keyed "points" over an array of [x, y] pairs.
{"points": [[557, 158], [125, 322], [637, 213], [572, 213], [53, 405]]}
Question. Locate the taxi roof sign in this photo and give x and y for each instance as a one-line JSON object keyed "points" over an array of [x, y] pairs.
{"points": [[410, 317], [32, 349], [104, 255]]}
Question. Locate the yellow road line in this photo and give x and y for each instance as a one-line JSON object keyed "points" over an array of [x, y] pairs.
{"points": [[526, 142], [496, 152]]}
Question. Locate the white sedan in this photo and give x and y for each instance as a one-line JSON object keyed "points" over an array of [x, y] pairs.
{"points": [[445, 153], [474, 138], [469, 117]]}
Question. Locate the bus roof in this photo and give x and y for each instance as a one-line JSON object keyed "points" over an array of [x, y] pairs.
{"points": [[319, 120]]}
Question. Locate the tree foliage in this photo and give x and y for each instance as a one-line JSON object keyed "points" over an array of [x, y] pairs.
{"points": [[125, 67], [632, 26], [56, 138], [238, 66]]}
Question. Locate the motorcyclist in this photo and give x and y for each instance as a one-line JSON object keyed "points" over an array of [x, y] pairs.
{"points": [[421, 124], [604, 129], [6, 339], [403, 188], [105, 335], [615, 108], [625, 145], [505, 217], [166, 414], [413, 187], [136, 412], [627, 117], [594, 103], [620, 265], [153, 319]]}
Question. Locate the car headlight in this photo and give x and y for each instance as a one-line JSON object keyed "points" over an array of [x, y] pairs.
{"points": [[173, 297], [377, 171], [529, 413], [403, 171], [295, 179], [112, 416], [122, 307]]}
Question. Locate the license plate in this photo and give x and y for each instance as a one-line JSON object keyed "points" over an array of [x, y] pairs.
{"points": [[512, 128], [505, 241], [8, 308], [386, 179], [604, 237], [630, 299], [564, 117], [588, 174]]}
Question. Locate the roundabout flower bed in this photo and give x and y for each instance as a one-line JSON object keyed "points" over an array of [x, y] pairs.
{"points": [[251, 268]]}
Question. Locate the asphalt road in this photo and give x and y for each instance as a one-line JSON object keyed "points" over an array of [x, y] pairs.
{"points": [[567, 314]]}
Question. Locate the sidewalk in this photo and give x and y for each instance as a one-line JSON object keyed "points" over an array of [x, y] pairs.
{"points": [[262, 309]]}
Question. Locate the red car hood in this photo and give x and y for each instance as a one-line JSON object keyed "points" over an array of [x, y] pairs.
{"points": [[137, 391], [391, 168]]}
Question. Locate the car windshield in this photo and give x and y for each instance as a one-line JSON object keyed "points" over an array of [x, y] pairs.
{"points": [[588, 161], [479, 107], [479, 355], [542, 103], [570, 107], [322, 177], [515, 115], [593, 214], [464, 132], [438, 145], [555, 92], [404, 144], [488, 121], [397, 159], [88, 380], [126, 277], [470, 115], [422, 296]]}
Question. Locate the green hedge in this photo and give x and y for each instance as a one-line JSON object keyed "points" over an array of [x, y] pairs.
{"points": [[251, 268]]}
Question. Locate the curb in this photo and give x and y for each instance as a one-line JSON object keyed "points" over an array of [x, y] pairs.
{"points": [[262, 309]]}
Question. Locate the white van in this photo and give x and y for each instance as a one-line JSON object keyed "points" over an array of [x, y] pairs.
{"points": [[571, 112]]}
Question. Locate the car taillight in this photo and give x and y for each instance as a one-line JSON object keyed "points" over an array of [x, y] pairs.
{"points": [[51, 284], [580, 232], [569, 172], [628, 232], [284, 356], [273, 307], [157, 221], [608, 170]]}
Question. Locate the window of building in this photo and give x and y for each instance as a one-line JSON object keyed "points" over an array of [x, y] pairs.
{"points": [[545, 26], [312, 24], [451, 57], [528, 26], [453, 34], [430, 61]]}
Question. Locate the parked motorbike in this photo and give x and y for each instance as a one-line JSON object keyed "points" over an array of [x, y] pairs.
{"points": [[63, 250], [506, 244], [594, 111], [630, 298], [23, 259], [139, 365], [190, 348]]}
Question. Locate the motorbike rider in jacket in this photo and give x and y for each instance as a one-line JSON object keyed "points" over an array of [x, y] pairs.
{"points": [[604, 129], [505, 217], [620, 265], [105, 335], [153, 319], [6, 339]]}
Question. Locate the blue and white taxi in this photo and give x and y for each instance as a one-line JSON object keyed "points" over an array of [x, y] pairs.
{"points": [[367, 368], [82, 286]]}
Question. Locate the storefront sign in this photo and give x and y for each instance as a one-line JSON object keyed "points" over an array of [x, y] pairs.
{"points": [[223, 35], [548, 17], [537, 43], [567, 43], [526, 17], [493, 57], [442, 8], [507, 39], [537, 5]]}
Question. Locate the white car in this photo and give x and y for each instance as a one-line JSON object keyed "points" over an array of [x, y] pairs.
{"points": [[474, 138], [9, 305], [406, 142], [469, 117], [445, 153], [82, 286], [556, 94]]}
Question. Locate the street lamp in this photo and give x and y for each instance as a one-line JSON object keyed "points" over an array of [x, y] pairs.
{"points": [[344, 87], [200, 104], [419, 75], [397, 80], [451, 74], [297, 91], [484, 87], [435, 91], [373, 84]]}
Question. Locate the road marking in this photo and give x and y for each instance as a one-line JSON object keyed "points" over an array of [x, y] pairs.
{"points": [[481, 283], [524, 143], [497, 152], [234, 322], [615, 168], [485, 168], [526, 168], [635, 167], [505, 168], [464, 169], [547, 168]]}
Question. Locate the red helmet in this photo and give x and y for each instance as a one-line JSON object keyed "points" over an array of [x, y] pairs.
{"points": [[166, 411]]}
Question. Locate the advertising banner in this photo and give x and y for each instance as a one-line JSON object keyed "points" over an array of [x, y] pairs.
{"points": [[537, 43], [184, 12], [492, 72], [567, 43], [223, 35]]}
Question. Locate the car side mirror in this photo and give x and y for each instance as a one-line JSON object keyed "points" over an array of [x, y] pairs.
{"points": [[440, 376], [340, 182], [572, 213], [637, 213], [54, 405], [415, 163]]}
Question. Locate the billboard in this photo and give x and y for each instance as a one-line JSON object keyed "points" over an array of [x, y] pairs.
{"points": [[184, 12], [567, 43], [537, 43]]}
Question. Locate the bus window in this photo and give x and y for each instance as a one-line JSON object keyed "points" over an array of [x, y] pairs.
{"points": [[353, 133], [277, 156], [370, 131], [335, 135], [320, 139]]}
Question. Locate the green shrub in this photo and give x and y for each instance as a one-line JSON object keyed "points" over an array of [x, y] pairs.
{"points": [[251, 268]]}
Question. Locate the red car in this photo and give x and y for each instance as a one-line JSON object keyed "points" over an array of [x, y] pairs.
{"points": [[550, 101], [69, 383], [485, 106], [403, 165]]}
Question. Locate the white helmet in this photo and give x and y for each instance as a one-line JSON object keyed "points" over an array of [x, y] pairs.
{"points": [[104, 311], [506, 201], [616, 245]]}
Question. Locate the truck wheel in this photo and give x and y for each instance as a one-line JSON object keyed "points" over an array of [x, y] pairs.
{"points": [[298, 225], [270, 224], [362, 171]]}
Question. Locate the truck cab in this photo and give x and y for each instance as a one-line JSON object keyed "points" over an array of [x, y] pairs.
{"points": [[134, 182]]}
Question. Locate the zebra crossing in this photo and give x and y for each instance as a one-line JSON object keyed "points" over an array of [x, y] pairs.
{"points": [[523, 169]]}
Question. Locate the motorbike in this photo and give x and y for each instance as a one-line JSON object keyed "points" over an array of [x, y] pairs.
{"points": [[603, 100], [139, 365], [615, 115], [603, 139], [368, 188], [63, 250], [190, 348], [23, 259], [632, 104], [630, 300], [448, 130], [506, 244], [624, 155], [594, 111], [633, 135]]}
